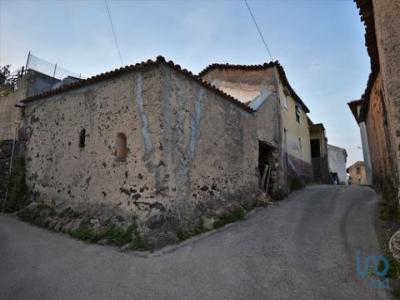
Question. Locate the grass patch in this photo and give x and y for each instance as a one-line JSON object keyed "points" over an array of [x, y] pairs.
{"points": [[17, 189], [236, 215], [295, 184], [390, 215], [85, 232], [113, 235]]}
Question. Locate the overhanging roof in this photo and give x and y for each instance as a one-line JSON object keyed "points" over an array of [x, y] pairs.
{"points": [[264, 66]]}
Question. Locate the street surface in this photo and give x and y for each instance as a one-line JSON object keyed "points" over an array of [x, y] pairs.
{"points": [[303, 248]]}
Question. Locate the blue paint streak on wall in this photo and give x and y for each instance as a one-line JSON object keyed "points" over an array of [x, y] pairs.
{"points": [[148, 144], [195, 123]]}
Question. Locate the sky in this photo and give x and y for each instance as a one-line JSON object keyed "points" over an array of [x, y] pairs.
{"points": [[320, 44]]}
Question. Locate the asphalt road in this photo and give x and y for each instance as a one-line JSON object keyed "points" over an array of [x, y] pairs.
{"points": [[303, 248]]}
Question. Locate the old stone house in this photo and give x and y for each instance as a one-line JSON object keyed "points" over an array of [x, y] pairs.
{"points": [[357, 174], [319, 153], [337, 158], [155, 143], [379, 108], [280, 113]]}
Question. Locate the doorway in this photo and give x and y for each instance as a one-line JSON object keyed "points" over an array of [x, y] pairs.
{"points": [[265, 166]]}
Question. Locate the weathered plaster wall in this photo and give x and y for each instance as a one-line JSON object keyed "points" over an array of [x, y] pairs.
{"points": [[296, 138], [357, 174], [378, 131], [387, 24], [192, 154], [337, 162], [209, 150], [366, 152], [259, 89], [276, 118], [244, 85], [10, 116], [59, 170]]}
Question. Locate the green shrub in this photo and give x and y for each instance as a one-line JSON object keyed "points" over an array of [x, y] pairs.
{"points": [[234, 216], [17, 197], [85, 232]]}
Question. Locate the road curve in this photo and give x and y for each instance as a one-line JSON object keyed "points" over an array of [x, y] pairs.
{"points": [[303, 248]]}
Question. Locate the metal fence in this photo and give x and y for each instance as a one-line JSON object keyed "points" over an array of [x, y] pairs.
{"points": [[54, 70]]}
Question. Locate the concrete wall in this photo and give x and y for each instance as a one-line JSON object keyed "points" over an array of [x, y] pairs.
{"points": [[337, 162]]}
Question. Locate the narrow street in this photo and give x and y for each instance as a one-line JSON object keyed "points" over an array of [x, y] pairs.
{"points": [[302, 248]]}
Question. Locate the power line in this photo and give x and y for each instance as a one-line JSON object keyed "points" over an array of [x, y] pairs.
{"points": [[258, 29], [113, 32]]}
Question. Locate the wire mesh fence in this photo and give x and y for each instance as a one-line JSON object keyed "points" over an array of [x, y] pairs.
{"points": [[54, 70]]}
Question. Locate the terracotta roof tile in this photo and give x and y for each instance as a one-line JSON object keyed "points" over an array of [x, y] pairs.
{"points": [[367, 17], [138, 67]]}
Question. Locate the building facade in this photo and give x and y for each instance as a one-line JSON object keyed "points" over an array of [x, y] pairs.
{"points": [[31, 83], [379, 105], [337, 158], [355, 107], [257, 84], [357, 174], [319, 153]]}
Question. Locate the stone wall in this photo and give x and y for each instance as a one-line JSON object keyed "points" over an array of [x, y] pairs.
{"points": [[276, 122], [387, 24], [192, 155], [10, 116], [378, 132]]}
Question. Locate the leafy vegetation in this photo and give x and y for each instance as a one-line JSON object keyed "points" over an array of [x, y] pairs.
{"points": [[234, 216], [17, 189]]}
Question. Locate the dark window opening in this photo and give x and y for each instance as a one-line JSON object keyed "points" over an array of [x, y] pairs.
{"points": [[358, 170], [121, 147], [82, 138], [315, 148], [265, 166], [297, 114]]}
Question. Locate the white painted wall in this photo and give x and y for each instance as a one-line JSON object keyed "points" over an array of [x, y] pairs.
{"points": [[337, 158], [365, 147]]}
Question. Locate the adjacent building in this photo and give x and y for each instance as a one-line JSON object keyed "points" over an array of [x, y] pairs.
{"points": [[355, 107], [168, 148], [337, 158], [377, 112], [319, 153], [30, 83], [279, 111], [357, 174]]}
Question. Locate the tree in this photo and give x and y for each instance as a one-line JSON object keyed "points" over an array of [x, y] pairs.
{"points": [[5, 86]]}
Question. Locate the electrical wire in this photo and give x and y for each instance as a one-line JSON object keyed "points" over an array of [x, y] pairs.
{"points": [[258, 29], [113, 32]]}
